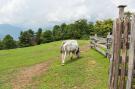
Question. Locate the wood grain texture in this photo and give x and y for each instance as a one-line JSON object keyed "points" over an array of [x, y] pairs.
{"points": [[131, 55]]}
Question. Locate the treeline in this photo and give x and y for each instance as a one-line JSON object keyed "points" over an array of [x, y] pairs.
{"points": [[80, 29]]}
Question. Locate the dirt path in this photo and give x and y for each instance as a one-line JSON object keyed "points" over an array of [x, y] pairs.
{"points": [[85, 48], [25, 76]]}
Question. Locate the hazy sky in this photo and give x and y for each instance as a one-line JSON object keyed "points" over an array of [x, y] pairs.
{"points": [[53, 11]]}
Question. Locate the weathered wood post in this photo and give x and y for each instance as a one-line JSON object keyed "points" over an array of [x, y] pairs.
{"points": [[121, 11], [93, 41], [108, 44], [117, 34], [124, 51], [124, 38], [111, 59], [116, 54], [131, 55]]}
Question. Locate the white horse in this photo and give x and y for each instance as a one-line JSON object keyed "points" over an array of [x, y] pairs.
{"points": [[69, 46]]}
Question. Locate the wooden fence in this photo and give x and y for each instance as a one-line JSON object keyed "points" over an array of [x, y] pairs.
{"points": [[102, 45], [120, 49], [123, 52]]}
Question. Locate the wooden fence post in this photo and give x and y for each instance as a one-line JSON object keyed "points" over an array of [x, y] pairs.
{"points": [[131, 55], [124, 52], [108, 44], [116, 55], [111, 59]]}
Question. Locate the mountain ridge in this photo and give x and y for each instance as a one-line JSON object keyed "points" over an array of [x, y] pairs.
{"points": [[14, 31]]}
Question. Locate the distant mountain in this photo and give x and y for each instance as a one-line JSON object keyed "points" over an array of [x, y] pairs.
{"points": [[14, 31], [35, 27]]}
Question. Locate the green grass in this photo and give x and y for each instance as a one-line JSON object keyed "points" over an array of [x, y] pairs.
{"points": [[88, 72]]}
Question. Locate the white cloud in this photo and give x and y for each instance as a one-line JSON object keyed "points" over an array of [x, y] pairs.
{"points": [[49, 11]]}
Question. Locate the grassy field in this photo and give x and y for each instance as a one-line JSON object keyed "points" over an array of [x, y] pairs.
{"points": [[88, 72]]}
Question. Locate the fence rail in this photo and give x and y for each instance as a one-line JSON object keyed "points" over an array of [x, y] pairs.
{"points": [[102, 45]]}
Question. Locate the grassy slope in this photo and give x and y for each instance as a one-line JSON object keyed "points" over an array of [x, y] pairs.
{"points": [[89, 72], [12, 60]]}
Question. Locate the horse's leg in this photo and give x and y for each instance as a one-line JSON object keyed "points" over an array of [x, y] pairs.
{"points": [[71, 55], [75, 53], [62, 57], [63, 60]]}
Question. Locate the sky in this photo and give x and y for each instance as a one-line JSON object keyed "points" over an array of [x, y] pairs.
{"points": [[59, 11]]}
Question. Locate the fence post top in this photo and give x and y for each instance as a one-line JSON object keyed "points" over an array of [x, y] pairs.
{"points": [[122, 6], [121, 11]]}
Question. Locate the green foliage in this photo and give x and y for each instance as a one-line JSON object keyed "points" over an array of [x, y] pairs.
{"points": [[38, 36], [47, 36], [91, 28], [64, 31], [80, 29], [27, 38], [82, 26], [74, 31], [57, 33], [1, 45], [102, 28], [8, 42]]}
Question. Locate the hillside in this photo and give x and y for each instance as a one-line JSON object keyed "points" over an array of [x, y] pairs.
{"points": [[39, 67]]}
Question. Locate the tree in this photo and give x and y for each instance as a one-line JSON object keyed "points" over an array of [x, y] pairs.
{"points": [[1, 45], [47, 36], [57, 34], [8, 42], [27, 38], [81, 28], [38, 36], [74, 32], [91, 28], [103, 27]]}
